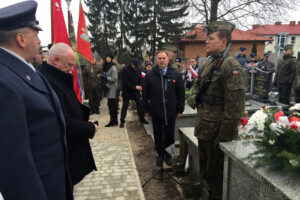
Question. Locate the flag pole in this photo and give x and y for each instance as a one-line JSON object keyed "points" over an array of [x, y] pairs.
{"points": [[69, 14], [52, 35]]}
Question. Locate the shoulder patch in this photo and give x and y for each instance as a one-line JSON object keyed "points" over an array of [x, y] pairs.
{"points": [[235, 72]]}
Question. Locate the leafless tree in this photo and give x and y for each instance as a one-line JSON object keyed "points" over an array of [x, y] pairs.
{"points": [[240, 11]]}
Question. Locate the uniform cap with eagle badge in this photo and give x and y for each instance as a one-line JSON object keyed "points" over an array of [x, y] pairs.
{"points": [[218, 26], [18, 16]]}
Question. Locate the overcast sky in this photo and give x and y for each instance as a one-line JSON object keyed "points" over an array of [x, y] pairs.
{"points": [[43, 15]]}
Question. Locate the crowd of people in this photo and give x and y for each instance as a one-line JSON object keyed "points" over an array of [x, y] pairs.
{"points": [[44, 136]]}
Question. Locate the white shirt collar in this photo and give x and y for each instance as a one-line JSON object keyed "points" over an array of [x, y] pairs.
{"points": [[19, 57]]}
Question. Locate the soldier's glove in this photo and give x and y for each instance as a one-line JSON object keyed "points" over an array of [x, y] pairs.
{"points": [[198, 99]]}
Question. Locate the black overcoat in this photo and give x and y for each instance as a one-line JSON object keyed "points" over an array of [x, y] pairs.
{"points": [[33, 150], [174, 93], [130, 79], [79, 129]]}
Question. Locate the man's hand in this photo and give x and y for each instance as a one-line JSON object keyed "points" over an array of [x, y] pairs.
{"points": [[138, 87], [179, 115], [147, 115], [98, 75], [96, 126]]}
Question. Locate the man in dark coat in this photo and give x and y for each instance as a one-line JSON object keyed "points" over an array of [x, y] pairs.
{"points": [[79, 129], [131, 88], [33, 148], [153, 92]]}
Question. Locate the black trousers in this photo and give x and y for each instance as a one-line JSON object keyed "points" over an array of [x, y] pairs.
{"points": [[297, 96], [163, 135], [137, 98], [113, 110]]}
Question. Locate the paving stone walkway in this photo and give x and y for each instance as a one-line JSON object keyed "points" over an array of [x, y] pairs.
{"points": [[117, 177]]}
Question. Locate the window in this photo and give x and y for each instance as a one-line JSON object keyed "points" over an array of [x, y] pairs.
{"points": [[281, 42], [293, 38]]}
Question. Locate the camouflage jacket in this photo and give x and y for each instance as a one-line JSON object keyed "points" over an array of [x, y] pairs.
{"points": [[219, 121], [119, 70], [297, 77], [91, 81], [286, 70]]}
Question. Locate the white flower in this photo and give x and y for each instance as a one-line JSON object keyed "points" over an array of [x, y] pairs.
{"points": [[284, 120], [275, 127], [257, 120], [294, 163], [295, 107], [271, 142]]}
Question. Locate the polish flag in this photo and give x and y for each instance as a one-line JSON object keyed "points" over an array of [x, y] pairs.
{"points": [[193, 71], [143, 74]]}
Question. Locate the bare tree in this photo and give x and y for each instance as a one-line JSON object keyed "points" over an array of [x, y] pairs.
{"points": [[240, 11]]}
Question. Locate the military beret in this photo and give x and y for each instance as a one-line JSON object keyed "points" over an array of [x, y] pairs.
{"points": [[217, 26], [289, 46], [253, 55], [178, 60], [170, 47], [19, 15], [242, 49]]}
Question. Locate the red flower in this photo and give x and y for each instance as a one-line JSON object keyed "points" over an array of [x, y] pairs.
{"points": [[294, 119], [263, 107], [244, 120], [294, 126], [278, 114]]}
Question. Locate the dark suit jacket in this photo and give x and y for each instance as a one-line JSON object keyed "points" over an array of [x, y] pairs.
{"points": [[174, 93], [33, 149], [79, 129]]}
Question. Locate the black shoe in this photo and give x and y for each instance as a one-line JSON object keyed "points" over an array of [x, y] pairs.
{"points": [[97, 112], [122, 125], [92, 112], [159, 160], [144, 121], [109, 124]]}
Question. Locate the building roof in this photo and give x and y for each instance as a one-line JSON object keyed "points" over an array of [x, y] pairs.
{"points": [[198, 35], [292, 28]]}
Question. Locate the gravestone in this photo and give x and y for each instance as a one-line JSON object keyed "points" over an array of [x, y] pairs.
{"points": [[262, 85], [248, 75]]}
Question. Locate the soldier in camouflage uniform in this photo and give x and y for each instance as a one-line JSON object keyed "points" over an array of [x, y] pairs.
{"points": [[296, 85], [285, 75], [92, 85], [219, 107]]}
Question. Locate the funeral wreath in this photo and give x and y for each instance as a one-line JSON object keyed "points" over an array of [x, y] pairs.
{"points": [[276, 137]]}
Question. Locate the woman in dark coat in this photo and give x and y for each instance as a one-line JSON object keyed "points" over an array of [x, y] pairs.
{"points": [[110, 77], [79, 128]]}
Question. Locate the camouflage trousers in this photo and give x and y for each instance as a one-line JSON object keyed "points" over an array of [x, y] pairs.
{"points": [[284, 93], [95, 96], [211, 162]]}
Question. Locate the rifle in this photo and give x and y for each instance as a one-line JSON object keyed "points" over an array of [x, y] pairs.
{"points": [[206, 80]]}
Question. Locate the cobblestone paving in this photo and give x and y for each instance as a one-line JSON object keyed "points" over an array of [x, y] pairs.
{"points": [[117, 177]]}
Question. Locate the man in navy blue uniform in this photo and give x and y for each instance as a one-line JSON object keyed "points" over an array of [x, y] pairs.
{"points": [[32, 128]]}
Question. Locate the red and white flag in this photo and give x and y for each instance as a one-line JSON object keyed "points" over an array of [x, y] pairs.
{"points": [[60, 35], [143, 74], [193, 71]]}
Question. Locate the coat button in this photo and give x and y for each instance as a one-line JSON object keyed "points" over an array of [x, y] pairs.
{"points": [[28, 77]]}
